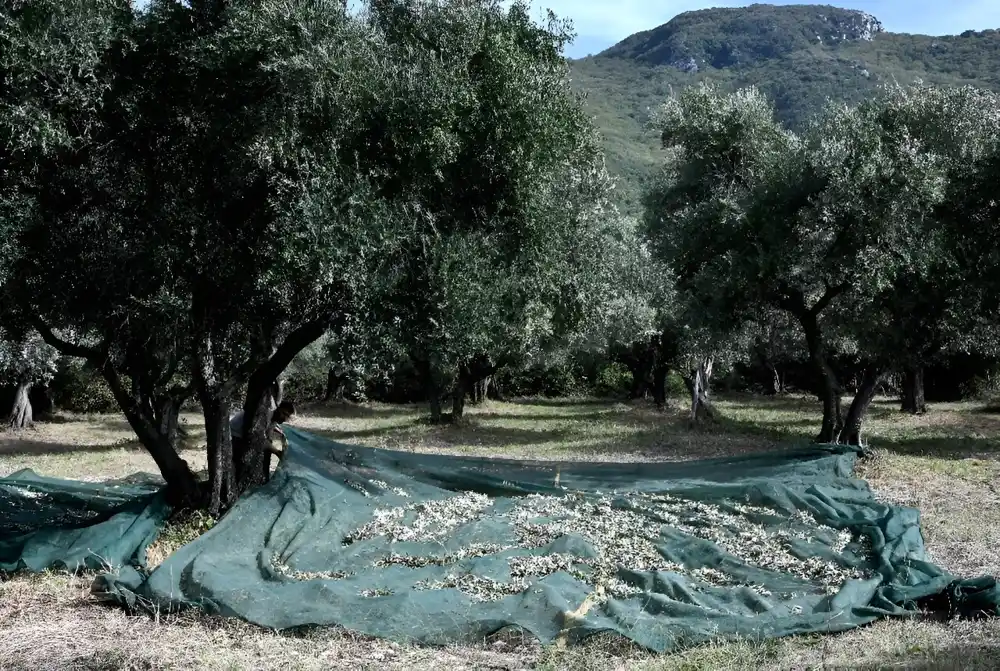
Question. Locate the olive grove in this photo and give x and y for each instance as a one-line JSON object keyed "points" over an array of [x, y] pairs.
{"points": [[845, 228], [203, 200]]}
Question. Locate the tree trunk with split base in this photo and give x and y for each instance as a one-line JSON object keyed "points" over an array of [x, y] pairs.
{"points": [[221, 472], [471, 382], [166, 414], [182, 486], [830, 392], [699, 387], [481, 390], [253, 456], [21, 414], [850, 432]]}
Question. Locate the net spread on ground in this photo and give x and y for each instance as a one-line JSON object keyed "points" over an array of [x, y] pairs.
{"points": [[444, 549]]}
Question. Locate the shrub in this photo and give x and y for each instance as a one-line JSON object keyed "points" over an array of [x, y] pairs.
{"points": [[77, 387], [613, 381]]}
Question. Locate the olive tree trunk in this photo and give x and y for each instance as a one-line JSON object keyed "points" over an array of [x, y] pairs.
{"points": [[218, 435], [830, 391], [660, 386], [433, 389], [21, 413], [913, 398], [480, 390], [334, 386], [182, 486], [699, 387], [458, 395], [871, 378], [166, 414]]}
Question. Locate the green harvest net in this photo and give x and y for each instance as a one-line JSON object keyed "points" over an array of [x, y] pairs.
{"points": [[444, 549]]}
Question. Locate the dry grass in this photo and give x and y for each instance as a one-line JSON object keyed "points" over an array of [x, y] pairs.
{"points": [[945, 463]]}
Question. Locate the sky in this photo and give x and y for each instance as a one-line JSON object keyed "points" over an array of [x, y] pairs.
{"points": [[601, 23]]}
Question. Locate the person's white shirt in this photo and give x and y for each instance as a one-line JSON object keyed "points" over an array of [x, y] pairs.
{"points": [[236, 425]]}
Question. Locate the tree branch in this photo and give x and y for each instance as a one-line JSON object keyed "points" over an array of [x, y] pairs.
{"points": [[64, 347], [264, 375], [828, 296]]}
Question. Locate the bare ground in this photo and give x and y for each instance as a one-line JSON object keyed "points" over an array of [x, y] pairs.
{"points": [[945, 463]]}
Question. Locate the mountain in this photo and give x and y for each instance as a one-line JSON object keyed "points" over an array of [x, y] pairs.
{"points": [[799, 55]]}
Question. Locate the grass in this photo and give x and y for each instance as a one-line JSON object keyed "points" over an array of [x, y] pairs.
{"points": [[945, 463]]}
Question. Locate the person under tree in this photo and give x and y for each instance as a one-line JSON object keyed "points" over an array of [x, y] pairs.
{"points": [[284, 412]]}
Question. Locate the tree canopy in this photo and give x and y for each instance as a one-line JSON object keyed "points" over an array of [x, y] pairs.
{"points": [[356, 194], [842, 226], [238, 179]]}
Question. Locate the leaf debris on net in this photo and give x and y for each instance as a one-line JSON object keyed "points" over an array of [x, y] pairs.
{"points": [[624, 533]]}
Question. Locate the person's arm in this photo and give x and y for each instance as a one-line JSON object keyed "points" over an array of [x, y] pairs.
{"points": [[281, 436]]}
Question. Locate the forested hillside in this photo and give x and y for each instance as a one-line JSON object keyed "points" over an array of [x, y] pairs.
{"points": [[800, 56]]}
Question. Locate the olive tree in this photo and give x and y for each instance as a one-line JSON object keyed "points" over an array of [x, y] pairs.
{"points": [[507, 220], [932, 308], [818, 226], [247, 177], [25, 360]]}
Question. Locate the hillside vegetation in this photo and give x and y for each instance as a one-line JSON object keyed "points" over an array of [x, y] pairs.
{"points": [[799, 55]]}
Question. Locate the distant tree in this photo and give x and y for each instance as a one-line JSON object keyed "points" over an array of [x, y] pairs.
{"points": [[510, 222], [25, 360], [932, 308], [819, 226]]}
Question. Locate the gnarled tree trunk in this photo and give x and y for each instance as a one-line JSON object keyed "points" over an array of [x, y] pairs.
{"points": [[253, 459], [913, 398], [871, 378], [182, 485], [221, 471], [334, 386], [433, 388], [471, 382], [829, 390], [458, 395], [21, 413], [497, 389], [166, 414], [481, 390], [660, 386], [699, 386]]}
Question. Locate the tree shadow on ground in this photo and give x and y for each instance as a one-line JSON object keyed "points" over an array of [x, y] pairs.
{"points": [[610, 415], [346, 436], [105, 422], [957, 448], [938, 447], [559, 402], [465, 434], [39, 448], [346, 410]]}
